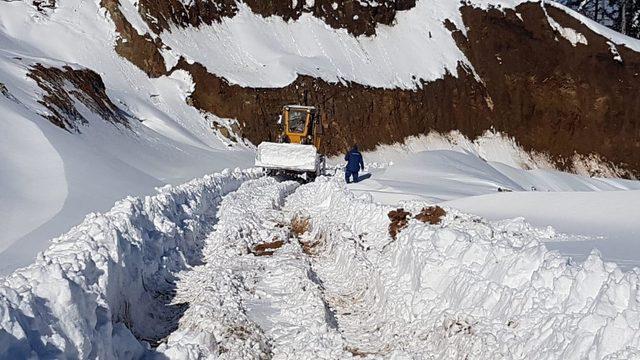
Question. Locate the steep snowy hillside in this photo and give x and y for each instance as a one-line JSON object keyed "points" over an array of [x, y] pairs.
{"points": [[76, 138]]}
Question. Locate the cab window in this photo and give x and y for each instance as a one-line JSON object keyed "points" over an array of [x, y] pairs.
{"points": [[297, 121]]}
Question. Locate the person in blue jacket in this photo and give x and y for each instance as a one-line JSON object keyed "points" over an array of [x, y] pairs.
{"points": [[354, 164]]}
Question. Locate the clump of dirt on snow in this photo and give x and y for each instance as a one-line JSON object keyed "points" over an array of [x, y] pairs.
{"points": [[310, 243], [431, 214], [299, 225], [267, 249], [399, 219], [454, 327]]}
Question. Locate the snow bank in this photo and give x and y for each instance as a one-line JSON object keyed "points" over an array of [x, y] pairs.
{"points": [[490, 146], [287, 156], [110, 278], [341, 287], [466, 288]]}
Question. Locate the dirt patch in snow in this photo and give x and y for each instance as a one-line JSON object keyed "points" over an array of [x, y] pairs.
{"points": [[299, 225], [266, 249], [300, 230], [311, 245], [399, 219], [454, 327], [64, 86], [431, 214]]}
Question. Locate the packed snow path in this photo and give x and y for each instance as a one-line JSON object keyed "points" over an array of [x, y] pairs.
{"points": [[311, 272]]}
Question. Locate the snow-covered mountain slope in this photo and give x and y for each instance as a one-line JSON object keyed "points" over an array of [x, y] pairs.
{"points": [[535, 70], [310, 271], [125, 133]]}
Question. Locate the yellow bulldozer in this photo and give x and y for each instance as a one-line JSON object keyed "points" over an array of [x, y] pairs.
{"points": [[296, 149]]}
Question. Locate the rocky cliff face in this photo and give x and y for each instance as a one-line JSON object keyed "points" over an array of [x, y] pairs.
{"points": [[533, 72]]}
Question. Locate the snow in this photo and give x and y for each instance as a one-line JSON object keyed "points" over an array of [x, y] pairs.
{"points": [[296, 157], [338, 286], [270, 52], [614, 52], [50, 178], [612, 35], [103, 280], [609, 218], [467, 287], [570, 34], [170, 141], [38, 166], [449, 170]]}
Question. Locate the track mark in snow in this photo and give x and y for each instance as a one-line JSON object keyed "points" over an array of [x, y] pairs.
{"points": [[247, 306]]}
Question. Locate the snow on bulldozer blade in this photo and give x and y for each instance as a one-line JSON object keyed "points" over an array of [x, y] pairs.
{"points": [[289, 157]]}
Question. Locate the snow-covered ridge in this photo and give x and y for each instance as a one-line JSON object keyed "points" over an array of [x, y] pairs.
{"points": [[110, 276], [253, 51]]}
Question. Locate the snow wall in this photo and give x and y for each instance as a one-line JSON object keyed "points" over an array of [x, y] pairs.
{"points": [[109, 279]]}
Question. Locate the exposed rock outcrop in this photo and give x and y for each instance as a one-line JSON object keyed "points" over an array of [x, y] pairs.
{"points": [[358, 17], [64, 86]]}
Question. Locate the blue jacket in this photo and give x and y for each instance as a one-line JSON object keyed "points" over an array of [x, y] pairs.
{"points": [[354, 160]]}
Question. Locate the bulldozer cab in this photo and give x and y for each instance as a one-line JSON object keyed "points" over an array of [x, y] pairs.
{"points": [[301, 125]]}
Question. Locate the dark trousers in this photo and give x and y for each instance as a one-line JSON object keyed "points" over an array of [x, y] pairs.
{"points": [[348, 174]]}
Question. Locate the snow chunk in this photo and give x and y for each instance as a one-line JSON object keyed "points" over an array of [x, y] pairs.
{"points": [[570, 34], [614, 52], [287, 156]]}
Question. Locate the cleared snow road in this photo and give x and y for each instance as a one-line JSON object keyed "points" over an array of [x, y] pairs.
{"points": [[310, 272]]}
